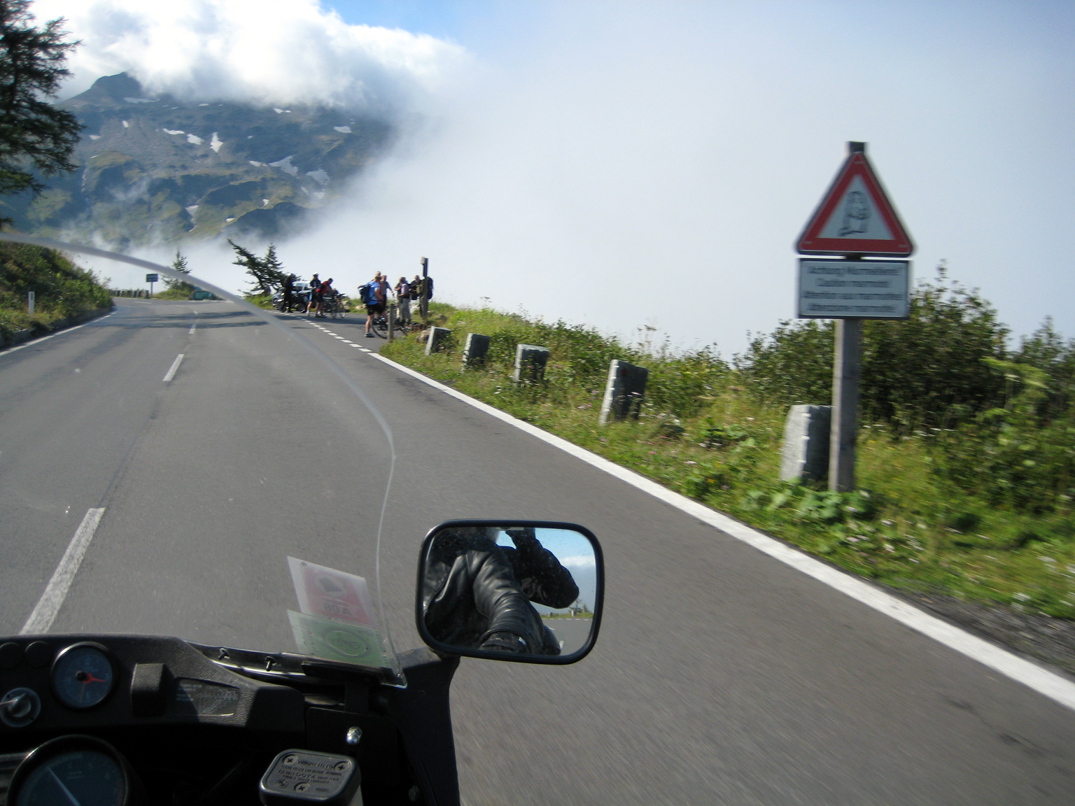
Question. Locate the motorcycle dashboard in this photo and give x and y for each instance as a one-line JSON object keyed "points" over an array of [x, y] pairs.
{"points": [[79, 683]]}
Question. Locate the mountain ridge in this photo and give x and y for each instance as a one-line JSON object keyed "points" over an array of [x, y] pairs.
{"points": [[153, 169]]}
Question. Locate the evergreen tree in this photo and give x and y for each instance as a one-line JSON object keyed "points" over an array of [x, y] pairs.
{"points": [[179, 265], [34, 134], [267, 272]]}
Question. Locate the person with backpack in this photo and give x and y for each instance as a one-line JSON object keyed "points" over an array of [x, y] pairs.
{"points": [[425, 293], [324, 291], [403, 297], [375, 297], [313, 299]]}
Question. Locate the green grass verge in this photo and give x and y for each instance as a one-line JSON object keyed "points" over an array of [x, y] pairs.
{"points": [[61, 289]]}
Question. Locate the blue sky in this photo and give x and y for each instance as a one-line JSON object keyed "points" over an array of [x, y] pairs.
{"points": [[645, 167]]}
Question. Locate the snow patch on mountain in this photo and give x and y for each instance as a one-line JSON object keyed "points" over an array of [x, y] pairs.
{"points": [[286, 166]]}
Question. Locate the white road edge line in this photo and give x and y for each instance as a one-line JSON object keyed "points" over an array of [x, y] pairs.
{"points": [[37, 341], [48, 606], [1030, 674], [175, 367]]}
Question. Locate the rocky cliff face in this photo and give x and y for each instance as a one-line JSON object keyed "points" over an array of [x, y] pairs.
{"points": [[155, 170]]}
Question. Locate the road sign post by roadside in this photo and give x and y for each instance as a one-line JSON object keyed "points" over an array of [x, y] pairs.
{"points": [[151, 279], [855, 219]]}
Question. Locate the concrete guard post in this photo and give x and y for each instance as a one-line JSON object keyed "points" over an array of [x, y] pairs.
{"points": [[530, 363], [438, 339], [805, 455], [624, 391], [474, 352]]}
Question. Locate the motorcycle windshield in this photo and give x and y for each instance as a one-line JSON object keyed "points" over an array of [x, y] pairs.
{"points": [[200, 468]]}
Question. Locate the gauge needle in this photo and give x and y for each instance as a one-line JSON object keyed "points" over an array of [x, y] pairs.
{"points": [[66, 791]]}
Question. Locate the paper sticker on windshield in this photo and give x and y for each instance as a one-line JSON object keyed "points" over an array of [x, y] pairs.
{"points": [[333, 640], [331, 594]]}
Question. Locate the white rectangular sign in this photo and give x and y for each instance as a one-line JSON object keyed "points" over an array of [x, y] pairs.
{"points": [[854, 289]]}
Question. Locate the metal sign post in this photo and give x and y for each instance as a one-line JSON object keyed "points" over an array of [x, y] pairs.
{"points": [[855, 219], [423, 300], [151, 279]]}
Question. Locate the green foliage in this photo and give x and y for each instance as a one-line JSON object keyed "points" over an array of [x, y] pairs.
{"points": [[174, 288], [929, 370], [714, 436], [682, 385], [267, 273], [817, 506], [792, 366], [1046, 350], [179, 288], [61, 289], [925, 371], [1008, 455], [34, 134]]}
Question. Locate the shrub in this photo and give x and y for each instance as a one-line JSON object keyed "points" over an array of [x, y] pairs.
{"points": [[1008, 455]]}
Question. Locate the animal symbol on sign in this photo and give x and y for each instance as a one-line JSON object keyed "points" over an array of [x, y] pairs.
{"points": [[856, 214]]}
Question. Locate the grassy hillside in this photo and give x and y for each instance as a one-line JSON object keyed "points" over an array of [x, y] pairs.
{"points": [[708, 429], [62, 290]]}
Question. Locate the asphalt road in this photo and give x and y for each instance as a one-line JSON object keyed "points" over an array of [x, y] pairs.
{"points": [[721, 675]]}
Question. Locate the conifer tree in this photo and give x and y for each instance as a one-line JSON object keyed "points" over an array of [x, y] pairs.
{"points": [[35, 135]]}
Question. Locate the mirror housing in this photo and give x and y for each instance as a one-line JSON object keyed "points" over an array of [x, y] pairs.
{"points": [[516, 590]]}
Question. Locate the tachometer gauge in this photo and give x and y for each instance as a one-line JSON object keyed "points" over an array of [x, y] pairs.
{"points": [[72, 771], [83, 675]]}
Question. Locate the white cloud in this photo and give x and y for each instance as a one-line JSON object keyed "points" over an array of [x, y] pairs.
{"points": [[269, 51], [635, 168], [637, 164]]}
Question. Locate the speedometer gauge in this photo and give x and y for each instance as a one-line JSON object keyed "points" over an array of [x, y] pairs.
{"points": [[83, 675], [71, 770]]}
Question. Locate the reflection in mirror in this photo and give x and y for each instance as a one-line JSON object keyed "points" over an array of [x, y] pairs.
{"points": [[525, 590]]}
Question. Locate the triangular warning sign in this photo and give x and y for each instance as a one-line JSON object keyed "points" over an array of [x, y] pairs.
{"points": [[855, 217]]}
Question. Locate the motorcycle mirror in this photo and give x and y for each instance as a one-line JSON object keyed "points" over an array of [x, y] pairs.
{"points": [[527, 591]]}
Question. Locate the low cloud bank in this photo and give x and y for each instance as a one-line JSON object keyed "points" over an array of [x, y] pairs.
{"points": [[260, 51]]}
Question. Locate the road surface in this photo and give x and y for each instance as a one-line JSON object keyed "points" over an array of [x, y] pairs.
{"points": [[721, 675]]}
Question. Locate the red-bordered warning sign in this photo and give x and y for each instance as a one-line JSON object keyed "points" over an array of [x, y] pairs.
{"points": [[855, 217]]}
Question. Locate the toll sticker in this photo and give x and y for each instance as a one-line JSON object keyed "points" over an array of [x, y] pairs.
{"points": [[335, 640], [331, 594]]}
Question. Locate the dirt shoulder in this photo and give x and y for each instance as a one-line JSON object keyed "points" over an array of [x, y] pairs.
{"points": [[1049, 640]]}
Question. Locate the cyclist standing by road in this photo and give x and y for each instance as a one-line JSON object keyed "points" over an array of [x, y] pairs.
{"points": [[313, 301], [288, 289], [403, 300], [326, 292], [376, 299]]}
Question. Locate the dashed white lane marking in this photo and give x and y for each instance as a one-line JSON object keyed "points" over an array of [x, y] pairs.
{"points": [[175, 367], [56, 591]]}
